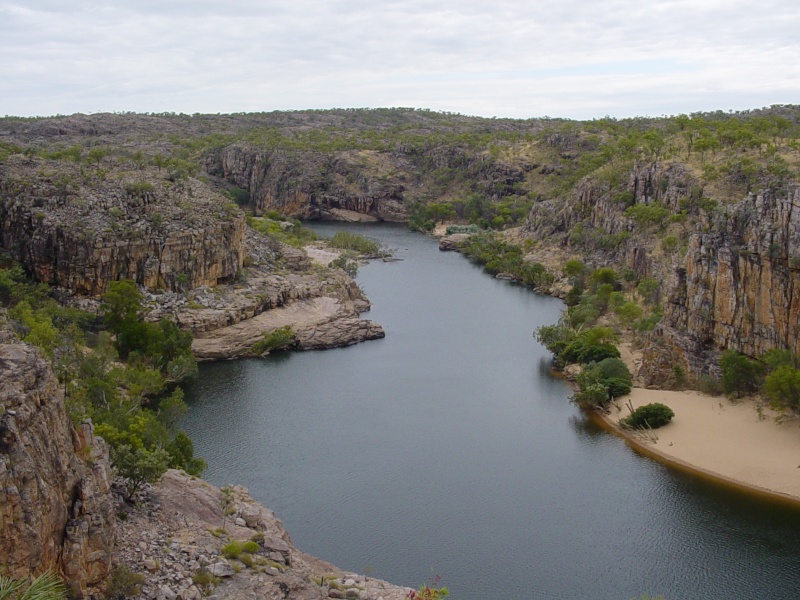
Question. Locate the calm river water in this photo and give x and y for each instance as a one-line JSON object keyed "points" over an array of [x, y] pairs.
{"points": [[447, 449]]}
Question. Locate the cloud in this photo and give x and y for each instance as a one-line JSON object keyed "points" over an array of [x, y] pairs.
{"points": [[575, 58]]}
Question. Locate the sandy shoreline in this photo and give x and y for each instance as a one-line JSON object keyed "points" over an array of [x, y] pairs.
{"points": [[722, 439]]}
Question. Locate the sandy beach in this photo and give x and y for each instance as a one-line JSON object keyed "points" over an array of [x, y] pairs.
{"points": [[723, 438]]}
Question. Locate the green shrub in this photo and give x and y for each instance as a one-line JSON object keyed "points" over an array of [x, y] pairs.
{"points": [[277, 339], [649, 416], [594, 394], [205, 581], [647, 214], [352, 241], [617, 386], [614, 367], [124, 583], [710, 385], [740, 375], [250, 547], [596, 353], [232, 549], [782, 387]]}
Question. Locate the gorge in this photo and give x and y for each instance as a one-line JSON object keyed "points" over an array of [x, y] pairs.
{"points": [[197, 211]]}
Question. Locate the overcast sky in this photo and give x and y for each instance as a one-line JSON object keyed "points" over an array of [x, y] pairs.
{"points": [[506, 58]]}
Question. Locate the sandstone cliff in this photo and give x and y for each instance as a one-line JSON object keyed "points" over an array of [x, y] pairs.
{"points": [[80, 228], [738, 288], [311, 185], [56, 509]]}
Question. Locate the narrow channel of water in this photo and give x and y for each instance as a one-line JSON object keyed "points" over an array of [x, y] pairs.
{"points": [[447, 449]]}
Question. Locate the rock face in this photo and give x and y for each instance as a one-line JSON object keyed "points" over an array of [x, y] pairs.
{"points": [[311, 185], [56, 510], [739, 287], [592, 220], [81, 232]]}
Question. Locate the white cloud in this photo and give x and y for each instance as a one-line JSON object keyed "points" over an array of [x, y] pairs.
{"points": [[574, 58]]}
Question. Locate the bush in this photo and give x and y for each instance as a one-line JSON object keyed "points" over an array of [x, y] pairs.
{"points": [[710, 385], [250, 547], [650, 416], [617, 387], [278, 339], [124, 583], [232, 549], [597, 353], [352, 241], [740, 375], [782, 387]]}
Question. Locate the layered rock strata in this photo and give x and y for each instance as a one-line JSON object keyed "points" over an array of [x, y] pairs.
{"points": [[739, 287], [311, 185], [82, 231]]}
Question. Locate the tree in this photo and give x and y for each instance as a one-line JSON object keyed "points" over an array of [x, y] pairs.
{"points": [[782, 387], [740, 375], [138, 466]]}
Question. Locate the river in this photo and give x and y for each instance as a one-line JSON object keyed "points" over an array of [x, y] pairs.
{"points": [[448, 449]]}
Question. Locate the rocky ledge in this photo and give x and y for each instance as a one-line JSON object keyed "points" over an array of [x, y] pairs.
{"points": [[175, 533]]}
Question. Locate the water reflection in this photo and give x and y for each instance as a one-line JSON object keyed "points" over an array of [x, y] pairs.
{"points": [[448, 445]]}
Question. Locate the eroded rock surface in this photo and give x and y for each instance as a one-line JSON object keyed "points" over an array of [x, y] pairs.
{"points": [[178, 528], [79, 229], [56, 509], [739, 287]]}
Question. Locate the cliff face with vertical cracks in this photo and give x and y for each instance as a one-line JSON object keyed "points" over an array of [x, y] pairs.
{"points": [[311, 185], [592, 221], [739, 287], [56, 509], [81, 229]]}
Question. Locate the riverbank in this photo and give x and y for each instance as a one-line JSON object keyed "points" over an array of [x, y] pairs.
{"points": [[730, 441]]}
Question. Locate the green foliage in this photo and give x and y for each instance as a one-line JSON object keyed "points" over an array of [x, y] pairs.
{"points": [[782, 387], [277, 339], [600, 382], [282, 229], [740, 375], [232, 549], [649, 416], [138, 466], [647, 215], [355, 242], [498, 256], [46, 586], [604, 275], [648, 289], [139, 189], [570, 346], [205, 581], [124, 583]]}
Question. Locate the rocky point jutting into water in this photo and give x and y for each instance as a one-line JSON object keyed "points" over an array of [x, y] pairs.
{"points": [[704, 208]]}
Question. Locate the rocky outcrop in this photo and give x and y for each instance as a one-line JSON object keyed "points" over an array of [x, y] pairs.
{"points": [[739, 287], [81, 232], [56, 510], [592, 221], [321, 309], [177, 530], [313, 185]]}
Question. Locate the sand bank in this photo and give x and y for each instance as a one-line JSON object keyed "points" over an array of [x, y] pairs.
{"points": [[728, 440]]}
